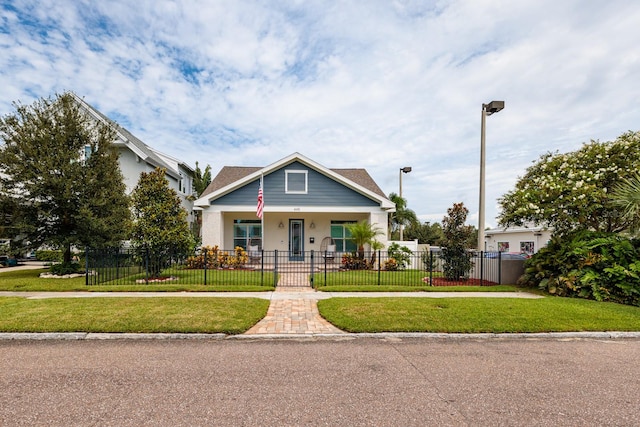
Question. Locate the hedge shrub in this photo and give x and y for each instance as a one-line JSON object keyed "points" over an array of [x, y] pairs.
{"points": [[599, 266]]}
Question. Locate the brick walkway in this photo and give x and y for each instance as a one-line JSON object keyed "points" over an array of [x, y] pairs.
{"points": [[293, 316]]}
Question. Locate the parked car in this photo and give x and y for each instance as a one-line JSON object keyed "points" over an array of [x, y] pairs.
{"points": [[7, 261], [505, 255]]}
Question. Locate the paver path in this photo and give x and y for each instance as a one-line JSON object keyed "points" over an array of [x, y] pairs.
{"points": [[293, 316]]}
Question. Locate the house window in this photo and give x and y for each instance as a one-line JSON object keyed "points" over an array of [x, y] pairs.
{"points": [[342, 237], [86, 152], [247, 232], [503, 246], [526, 248], [295, 182]]}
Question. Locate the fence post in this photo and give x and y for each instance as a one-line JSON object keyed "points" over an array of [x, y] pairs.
{"points": [[205, 265], [275, 268], [431, 267], [146, 266], [325, 266], [261, 267], [86, 264], [499, 268], [379, 266], [481, 268], [311, 275]]}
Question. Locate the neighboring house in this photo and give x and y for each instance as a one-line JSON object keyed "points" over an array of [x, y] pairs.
{"points": [[137, 157], [525, 240], [304, 203]]}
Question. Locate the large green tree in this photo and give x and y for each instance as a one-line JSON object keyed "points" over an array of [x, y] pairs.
{"points": [[160, 226], [59, 177], [572, 191], [426, 233]]}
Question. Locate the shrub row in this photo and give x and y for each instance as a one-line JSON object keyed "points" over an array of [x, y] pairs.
{"points": [[600, 266]]}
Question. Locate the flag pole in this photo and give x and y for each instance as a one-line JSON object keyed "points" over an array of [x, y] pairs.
{"points": [[262, 216]]}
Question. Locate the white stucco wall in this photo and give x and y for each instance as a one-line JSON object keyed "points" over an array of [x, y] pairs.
{"points": [[515, 238]]}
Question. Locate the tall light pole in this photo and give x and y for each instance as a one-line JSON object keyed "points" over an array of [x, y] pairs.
{"points": [[405, 169], [487, 110]]}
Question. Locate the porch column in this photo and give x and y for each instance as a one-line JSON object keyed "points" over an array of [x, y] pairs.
{"points": [[212, 228]]}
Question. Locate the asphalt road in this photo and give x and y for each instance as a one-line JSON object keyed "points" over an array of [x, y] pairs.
{"points": [[321, 382]]}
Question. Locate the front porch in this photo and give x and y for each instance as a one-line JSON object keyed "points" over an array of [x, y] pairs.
{"points": [[295, 232]]}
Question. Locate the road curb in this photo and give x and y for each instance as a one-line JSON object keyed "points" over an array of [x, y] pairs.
{"points": [[84, 336]]}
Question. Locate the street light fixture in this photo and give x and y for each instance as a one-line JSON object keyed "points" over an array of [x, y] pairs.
{"points": [[487, 110], [405, 169]]}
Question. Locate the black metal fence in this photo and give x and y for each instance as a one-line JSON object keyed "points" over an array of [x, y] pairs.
{"points": [[313, 268]]}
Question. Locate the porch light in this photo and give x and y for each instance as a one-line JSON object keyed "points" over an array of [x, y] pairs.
{"points": [[313, 225], [281, 225]]}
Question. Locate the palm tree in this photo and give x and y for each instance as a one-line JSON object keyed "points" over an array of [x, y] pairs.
{"points": [[402, 215], [362, 233], [626, 195]]}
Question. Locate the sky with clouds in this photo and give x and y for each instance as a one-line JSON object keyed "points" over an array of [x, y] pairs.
{"points": [[378, 84]]}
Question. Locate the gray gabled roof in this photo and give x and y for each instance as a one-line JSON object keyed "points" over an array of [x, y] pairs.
{"points": [[141, 149], [231, 176]]}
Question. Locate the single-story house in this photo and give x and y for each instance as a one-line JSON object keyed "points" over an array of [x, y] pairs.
{"points": [[304, 204], [524, 240]]}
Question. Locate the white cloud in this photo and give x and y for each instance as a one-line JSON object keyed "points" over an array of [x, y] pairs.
{"points": [[373, 84]]}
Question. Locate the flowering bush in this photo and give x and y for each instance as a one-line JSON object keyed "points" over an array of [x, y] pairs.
{"points": [[391, 264], [215, 258], [354, 262], [571, 191]]}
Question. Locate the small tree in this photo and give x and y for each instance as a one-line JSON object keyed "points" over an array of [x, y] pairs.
{"points": [[160, 226], [626, 196], [456, 258], [363, 233], [402, 216], [201, 181]]}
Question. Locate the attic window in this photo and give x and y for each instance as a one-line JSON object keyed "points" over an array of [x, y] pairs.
{"points": [[295, 182]]}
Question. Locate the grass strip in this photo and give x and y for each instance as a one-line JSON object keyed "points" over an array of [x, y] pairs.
{"points": [[29, 281], [469, 315], [146, 315], [394, 288]]}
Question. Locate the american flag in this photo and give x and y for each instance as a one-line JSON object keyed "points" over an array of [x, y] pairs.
{"points": [[260, 203]]}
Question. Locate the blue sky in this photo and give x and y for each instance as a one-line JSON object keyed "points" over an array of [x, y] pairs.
{"points": [[374, 84]]}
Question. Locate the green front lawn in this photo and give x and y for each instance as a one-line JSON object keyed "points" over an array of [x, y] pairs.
{"points": [[189, 281], [400, 288], [148, 315], [371, 277], [467, 315]]}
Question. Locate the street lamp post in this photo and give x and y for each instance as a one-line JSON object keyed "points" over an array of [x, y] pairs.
{"points": [[405, 169], [487, 110]]}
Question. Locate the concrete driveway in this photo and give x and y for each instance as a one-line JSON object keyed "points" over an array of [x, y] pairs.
{"points": [[330, 382]]}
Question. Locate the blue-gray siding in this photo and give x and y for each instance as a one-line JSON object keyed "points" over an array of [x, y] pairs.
{"points": [[322, 191]]}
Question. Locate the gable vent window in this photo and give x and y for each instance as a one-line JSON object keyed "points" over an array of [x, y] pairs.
{"points": [[295, 182]]}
